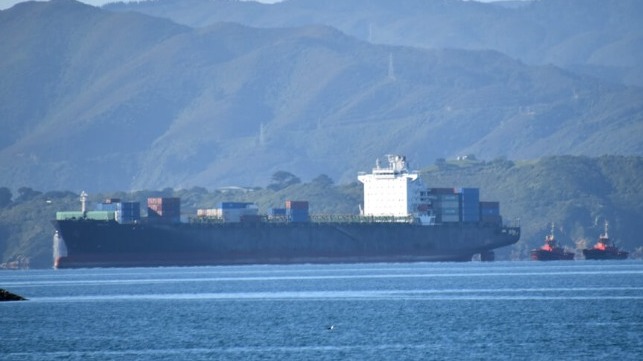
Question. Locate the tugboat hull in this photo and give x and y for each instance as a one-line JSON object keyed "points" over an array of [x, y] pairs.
{"points": [[604, 254], [542, 255]]}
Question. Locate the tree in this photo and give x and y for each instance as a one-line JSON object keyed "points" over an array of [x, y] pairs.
{"points": [[5, 197], [282, 179], [323, 180], [26, 194]]}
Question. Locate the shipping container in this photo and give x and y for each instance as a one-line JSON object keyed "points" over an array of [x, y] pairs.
{"points": [[101, 215], [495, 219], [128, 212], [297, 215], [441, 191], [167, 202], [450, 211], [471, 217], [234, 205], [470, 196], [449, 204], [277, 211], [487, 204], [251, 218], [449, 218], [234, 215], [489, 209], [472, 192], [106, 207], [210, 212], [297, 205], [164, 209], [449, 197], [61, 216]]}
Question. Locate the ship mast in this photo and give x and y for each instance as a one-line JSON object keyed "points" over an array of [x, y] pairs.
{"points": [[551, 238], [83, 201]]}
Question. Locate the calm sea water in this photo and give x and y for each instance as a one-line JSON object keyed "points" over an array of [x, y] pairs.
{"points": [[577, 310]]}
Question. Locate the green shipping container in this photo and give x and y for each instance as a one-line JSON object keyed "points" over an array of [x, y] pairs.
{"points": [[101, 215], [94, 215], [61, 216]]}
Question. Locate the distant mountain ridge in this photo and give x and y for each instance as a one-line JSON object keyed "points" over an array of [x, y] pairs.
{"points": [[602, 38], [100, 100]]}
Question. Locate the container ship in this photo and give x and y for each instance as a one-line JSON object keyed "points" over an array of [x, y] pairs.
{"points": [[604, 249], [551, 251], [401, 220]]}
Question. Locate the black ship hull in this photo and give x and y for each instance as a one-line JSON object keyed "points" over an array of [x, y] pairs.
{"points": [[91, 243]]}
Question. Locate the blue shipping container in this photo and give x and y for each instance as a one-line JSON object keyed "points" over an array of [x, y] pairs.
{"points": [[297, 215], [277, 211], [234, 205]]}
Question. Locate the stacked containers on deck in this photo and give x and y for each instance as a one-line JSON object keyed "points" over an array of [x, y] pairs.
{"points": [[238, 211], [297, 211], [209, 212], [277, 212], [124, 212], [100, 215], [449, 207], [128, 212], [470, 204], [164, 209], [490, 212], [109, 204], [446, 203]]}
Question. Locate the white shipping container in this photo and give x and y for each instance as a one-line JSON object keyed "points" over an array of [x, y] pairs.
{"points": [[209, 212]]}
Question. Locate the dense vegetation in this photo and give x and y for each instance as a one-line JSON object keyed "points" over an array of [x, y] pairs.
{"points": [[577, 193]]}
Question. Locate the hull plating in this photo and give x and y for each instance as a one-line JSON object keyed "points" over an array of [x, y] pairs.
{"points": [[110, 244], [604, 254], [555, 255]]}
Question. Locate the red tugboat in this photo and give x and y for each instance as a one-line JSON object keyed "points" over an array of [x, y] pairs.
{"points": [[551, 251], [604, 249]]}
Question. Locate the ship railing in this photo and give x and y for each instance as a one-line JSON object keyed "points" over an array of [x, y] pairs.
{"points": [[353, 218], [313, 218], [511, 227]]}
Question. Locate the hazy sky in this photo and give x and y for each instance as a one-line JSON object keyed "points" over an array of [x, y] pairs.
{"points": [[5, 4]]}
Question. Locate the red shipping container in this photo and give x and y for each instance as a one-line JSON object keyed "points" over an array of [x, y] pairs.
{"points": [[303, 205]]}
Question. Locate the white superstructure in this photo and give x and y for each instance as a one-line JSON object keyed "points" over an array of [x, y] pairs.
{"points": [[394, 191]]}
